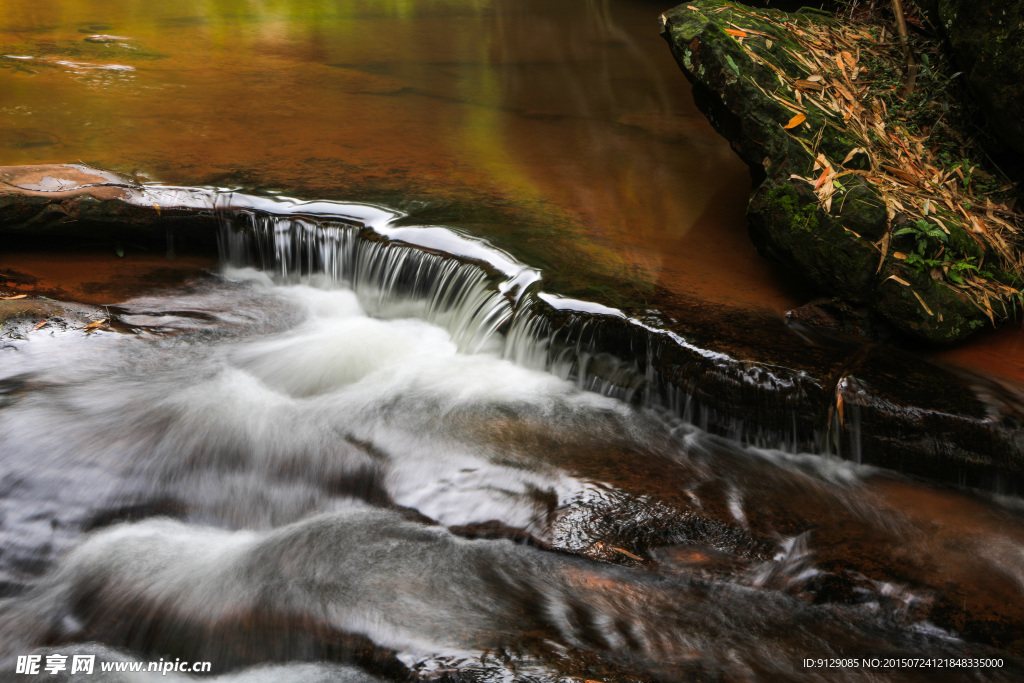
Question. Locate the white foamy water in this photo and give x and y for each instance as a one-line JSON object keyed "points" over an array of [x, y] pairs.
{"points": [[313, 434]]}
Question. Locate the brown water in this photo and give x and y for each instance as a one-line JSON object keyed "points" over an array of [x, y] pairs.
{"points": [[343, 478], [562, 129]]}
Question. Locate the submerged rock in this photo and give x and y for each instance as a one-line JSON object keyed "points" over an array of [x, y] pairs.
{"points": [[748, 70]]}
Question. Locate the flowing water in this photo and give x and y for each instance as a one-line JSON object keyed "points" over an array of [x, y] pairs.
{"points": [[353, 449]]}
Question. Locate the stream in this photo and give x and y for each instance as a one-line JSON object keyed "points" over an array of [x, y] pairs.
{"points": [[337, 448], [370, 434]]}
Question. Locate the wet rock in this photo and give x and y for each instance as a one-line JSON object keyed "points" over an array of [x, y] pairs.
{"points": [[749, 379], [299, 593], [78, 200], [13, 309], [836, 317], [832, 248], [733, 373]]}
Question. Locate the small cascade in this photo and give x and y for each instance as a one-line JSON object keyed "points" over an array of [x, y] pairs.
{"points": [[390, 278], [604, 351], [488, 301]]}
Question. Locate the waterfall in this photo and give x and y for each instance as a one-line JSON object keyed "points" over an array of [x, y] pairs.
{"points": [[390, 278], [487, 300]]}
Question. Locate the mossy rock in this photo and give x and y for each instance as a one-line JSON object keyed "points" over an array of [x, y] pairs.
{"points": [[747, 102], [787, 224], [923, 306]]}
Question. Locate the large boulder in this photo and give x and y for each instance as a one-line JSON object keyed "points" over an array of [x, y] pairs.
{"points": [[746, 67]]}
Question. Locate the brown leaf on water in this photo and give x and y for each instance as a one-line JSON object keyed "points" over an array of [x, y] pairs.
{"points": [[795, 121], [40, 324], [12, 298]]}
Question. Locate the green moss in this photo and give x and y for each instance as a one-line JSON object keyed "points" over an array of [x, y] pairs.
{"points": [[783, 202]]}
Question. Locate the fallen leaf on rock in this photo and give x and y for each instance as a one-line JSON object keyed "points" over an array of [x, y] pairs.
{"points": [[40, 324], [822, 177], [795, 121], [923, 304], [808, 84]]}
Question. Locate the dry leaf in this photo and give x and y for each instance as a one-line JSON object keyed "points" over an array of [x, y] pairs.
{"points": [[795, 121], [901, 174], [768, 44], [40, 324], [898, 279], [627, 553], [809, 85], [886, 238], [923, 304], [737, 33], [852, 153], [12, 298], [822, 177], [899, 255]]}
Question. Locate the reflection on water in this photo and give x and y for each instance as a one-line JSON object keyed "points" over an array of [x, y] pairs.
{"points": [[562, 129]]}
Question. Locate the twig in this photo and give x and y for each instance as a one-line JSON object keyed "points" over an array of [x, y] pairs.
{"points": [[901, 26]]}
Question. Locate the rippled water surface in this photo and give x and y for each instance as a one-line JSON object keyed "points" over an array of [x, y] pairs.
{"points": [[332, 455], [309, 455]]}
